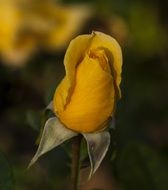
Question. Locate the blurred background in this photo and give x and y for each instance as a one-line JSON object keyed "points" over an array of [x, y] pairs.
{"points": [[34, 35]]}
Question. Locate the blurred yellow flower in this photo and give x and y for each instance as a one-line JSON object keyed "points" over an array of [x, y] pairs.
{"points": [[21, 51], [28, 24], [9, 24], [68, 21], [86, 97], [54, 24]]}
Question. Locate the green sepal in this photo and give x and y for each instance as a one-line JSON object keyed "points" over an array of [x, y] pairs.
{"points": [[54, 134], [97, 145]]}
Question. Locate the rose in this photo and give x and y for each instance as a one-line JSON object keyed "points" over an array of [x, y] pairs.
{"points": [[88, 93], [86, 97]]}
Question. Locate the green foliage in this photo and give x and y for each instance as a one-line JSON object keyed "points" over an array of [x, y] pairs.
{"points": [[141, 167], [147, 34], [6, 178]]}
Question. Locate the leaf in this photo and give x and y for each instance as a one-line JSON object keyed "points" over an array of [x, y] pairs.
{"points": [[142, 167], [97, 144], [54, 134], [6, 179]]}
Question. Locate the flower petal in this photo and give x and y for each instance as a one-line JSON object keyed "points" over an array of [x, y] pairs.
{"points": [[97, 144], [113, 52], [75, 54], [92, 101], [71, 60], [54, 134]]}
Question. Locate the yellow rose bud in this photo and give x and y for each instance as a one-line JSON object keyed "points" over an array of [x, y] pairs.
{"points": [[87, 95]]}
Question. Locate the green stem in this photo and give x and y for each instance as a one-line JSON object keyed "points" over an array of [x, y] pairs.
{"points": [[76, 142]]}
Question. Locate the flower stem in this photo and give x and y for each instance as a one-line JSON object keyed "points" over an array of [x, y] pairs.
{"points": [[76, 142]]}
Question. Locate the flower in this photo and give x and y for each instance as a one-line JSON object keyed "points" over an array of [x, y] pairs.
{"points": [[26, 25], [54, 23], [68, 20], [87, 95], [10, 20], [15, 47]]}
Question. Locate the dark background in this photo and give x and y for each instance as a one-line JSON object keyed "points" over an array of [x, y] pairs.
{"points": [[139, 157]]}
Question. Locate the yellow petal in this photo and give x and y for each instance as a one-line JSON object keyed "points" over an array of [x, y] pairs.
{"points": [[92, 100], [74, 54], [87, 95], [113, 51]]}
